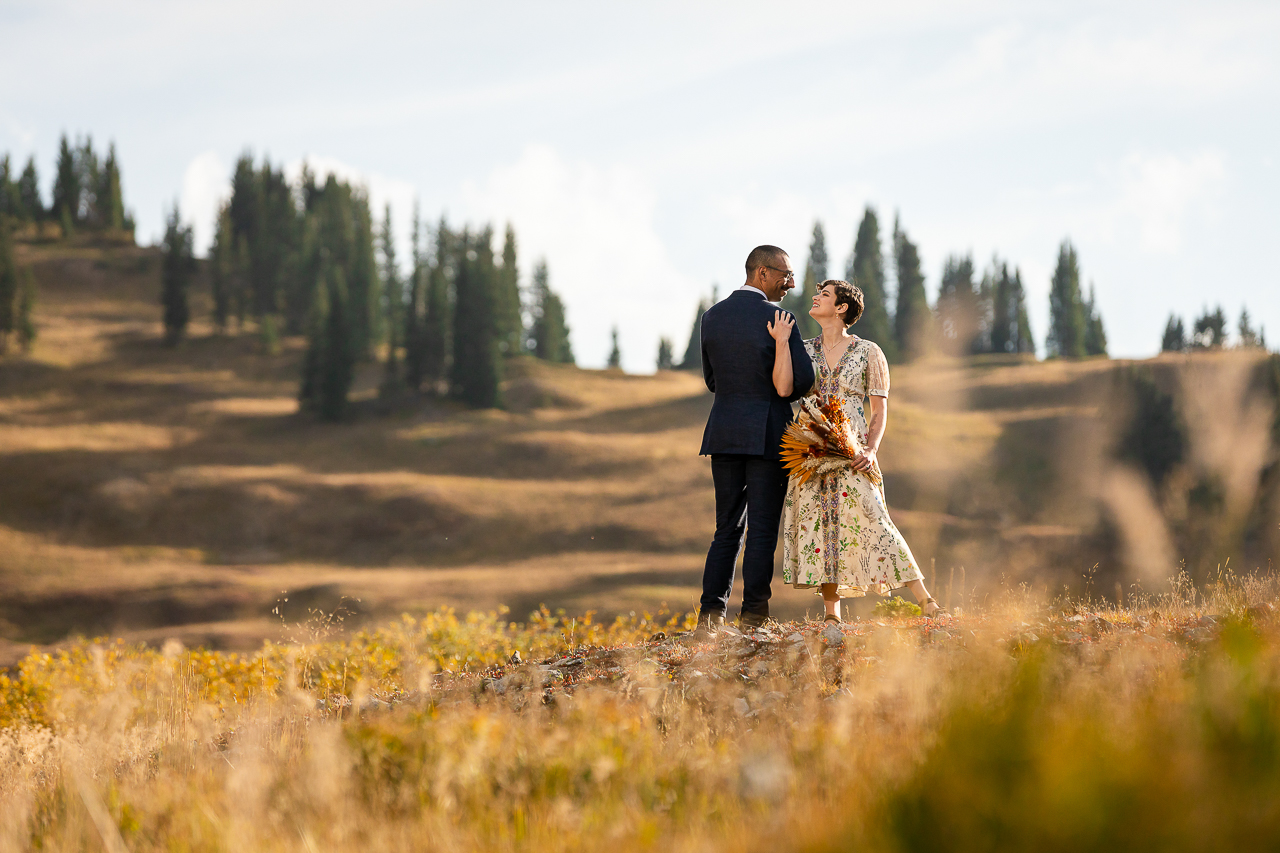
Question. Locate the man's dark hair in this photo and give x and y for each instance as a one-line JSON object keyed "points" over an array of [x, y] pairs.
{"points": [[762, 256], [849, 295]]}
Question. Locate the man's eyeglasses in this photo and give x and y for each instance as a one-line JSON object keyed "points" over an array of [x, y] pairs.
{"points": [[787, 275]]}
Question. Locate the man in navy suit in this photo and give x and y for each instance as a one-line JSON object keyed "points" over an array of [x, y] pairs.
{"points": [[744, 434]]}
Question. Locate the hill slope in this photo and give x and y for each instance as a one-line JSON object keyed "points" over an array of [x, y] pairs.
{"points": [[157, 492]]}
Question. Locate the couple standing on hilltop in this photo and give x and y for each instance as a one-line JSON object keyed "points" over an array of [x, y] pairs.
{"points": [[837, 534]]}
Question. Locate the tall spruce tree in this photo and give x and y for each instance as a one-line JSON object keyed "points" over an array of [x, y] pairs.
{"points": [[1095, 336], [800, 299], [1067, 320], [1248, 337], [363, 282], [328, 367], [666, 359], [66, 188], [10, 200], [510, 322], [8, 284], [223, 269], [1175, 335], [1010, 326], [1021, 340], [550, 332], [957, 306], [438, 320], [476, 375], [866, 269], [29, 193], [912, 318], [177, 272], [111, 194], [693, 350], [89, 178], [615, 353], [392, 302], [1210, 330], [415, 314]]}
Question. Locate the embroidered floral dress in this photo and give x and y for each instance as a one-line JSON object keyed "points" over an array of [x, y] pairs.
{"points": [[836, 527]]}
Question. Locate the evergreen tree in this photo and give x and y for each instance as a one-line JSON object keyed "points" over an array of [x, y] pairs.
{"points": [[66, 188], [693, 350], [912, 318], [476, 374], [280, 271], [550, 332], [957, 306], [329, 364], [800, 299], [29, 193], [110, 194], [223, 269], [1247, 336], [8, 283], [177, 271], [1210, 330], [438, 319], [393, 301], [88, 178], [615, 354], [866, 270], [363, 283], [666, 358], [1002, 308], [1175, 336], [415, 315], [10, 198], [1095, 336], [26, 324], [1067, 321], [1008, 325], [1021, 342], [510, 323]]}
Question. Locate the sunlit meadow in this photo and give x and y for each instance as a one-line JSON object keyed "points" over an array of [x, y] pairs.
{"points": [[1019, 725]]}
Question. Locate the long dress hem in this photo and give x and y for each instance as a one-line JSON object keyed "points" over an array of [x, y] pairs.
{"points": [[836, 526]]}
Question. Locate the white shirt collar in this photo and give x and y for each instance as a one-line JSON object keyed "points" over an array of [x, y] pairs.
{"points": [[756, 289]]}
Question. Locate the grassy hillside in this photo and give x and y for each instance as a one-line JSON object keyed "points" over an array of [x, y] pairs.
{"points": [[159, 492]]}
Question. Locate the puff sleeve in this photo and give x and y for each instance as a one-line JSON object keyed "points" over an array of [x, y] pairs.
{"points": [[877, 372]]}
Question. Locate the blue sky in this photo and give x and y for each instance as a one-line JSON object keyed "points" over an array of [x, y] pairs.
{"points": [[643, 149]]}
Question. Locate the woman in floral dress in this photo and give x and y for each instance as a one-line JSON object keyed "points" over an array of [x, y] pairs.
{"points": [[837, 534]]}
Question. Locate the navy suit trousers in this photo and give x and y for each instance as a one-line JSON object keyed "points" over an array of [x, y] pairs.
{"points": [[749, 495]]}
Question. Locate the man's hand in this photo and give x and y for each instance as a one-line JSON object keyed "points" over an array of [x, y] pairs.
{"points": [[782, 325]]}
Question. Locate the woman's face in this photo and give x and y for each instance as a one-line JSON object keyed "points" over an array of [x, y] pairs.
{"points": [[824, 305]]}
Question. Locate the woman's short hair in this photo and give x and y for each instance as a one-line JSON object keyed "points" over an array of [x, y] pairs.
{"points": [[846, 294]]}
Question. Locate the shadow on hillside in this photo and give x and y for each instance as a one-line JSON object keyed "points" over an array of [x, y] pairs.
{"points": [[165, 498], [681, 413]]}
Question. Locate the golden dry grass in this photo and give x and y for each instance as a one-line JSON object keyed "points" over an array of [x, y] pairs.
{"points": [[1018, 727]]}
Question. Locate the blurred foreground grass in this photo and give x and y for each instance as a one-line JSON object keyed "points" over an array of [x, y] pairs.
{"points": [[1027, 726]]}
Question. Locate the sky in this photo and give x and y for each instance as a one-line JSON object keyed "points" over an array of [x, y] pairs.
{"points": [[643, 149]]}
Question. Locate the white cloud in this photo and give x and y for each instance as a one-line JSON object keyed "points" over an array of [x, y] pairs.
{"points": [[206, 184], [1160, 192], [595, 226]]}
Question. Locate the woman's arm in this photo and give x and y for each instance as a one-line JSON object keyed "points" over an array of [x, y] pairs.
{"points": [[875, 432], [780, 329]]}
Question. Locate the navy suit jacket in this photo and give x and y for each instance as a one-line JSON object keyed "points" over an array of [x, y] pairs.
{"points": [[748, 416]]}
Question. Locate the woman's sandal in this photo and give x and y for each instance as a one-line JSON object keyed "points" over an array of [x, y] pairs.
{"points": [[940, 612], [831, 617]]}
